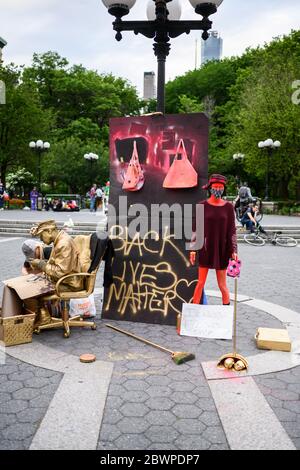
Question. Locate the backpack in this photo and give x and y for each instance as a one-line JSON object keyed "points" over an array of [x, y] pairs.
{"points": [[243, 192]]}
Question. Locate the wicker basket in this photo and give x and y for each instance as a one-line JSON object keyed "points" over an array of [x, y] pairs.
{"points": [[16, 330]]}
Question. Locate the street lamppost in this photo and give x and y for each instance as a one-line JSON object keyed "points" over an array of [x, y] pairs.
{"points": [[270, 146], [238, 157], [39, 146], [91, 157], [160, 28]]}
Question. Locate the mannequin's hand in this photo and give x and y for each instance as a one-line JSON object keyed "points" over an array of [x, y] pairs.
{"points": [[38, 264], [192, 257], [34, 263], [234, 256]]}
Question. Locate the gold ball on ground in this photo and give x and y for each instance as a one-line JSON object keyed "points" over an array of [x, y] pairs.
{"points": [[86, 358], [239, 365], [229, 363]]}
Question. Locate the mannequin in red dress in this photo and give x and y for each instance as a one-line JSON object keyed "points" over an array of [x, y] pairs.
{"points": [[220, 239]]}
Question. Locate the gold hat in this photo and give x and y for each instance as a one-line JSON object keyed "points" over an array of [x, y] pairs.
{"points": [[46, 225]]}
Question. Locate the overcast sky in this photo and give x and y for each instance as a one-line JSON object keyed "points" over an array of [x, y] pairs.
{"points": [[81, 31]]}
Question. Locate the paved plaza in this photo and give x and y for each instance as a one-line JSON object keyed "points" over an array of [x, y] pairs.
{"points": [[85, 216], [140, 181], [136, 397]]}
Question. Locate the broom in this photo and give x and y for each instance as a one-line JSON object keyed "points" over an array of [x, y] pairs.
{"points": [[177, 356]]}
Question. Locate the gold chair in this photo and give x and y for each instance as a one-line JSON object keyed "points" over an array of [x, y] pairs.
{"points": [[83, 244]]}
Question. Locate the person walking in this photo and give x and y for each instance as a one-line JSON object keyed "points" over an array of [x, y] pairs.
{"points": [[34, 198], [106, 194], [2, 191], [92, 194], [99, 197]]}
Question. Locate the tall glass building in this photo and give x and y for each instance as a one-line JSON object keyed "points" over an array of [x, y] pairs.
{"points": [[212, 48]]}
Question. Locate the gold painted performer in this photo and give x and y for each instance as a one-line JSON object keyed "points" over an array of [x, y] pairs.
{"points": [[64, 260]]}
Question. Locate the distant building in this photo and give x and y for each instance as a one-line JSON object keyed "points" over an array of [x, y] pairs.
{"points": [[212, 48], [149, 86], [2, 84], [2, 44]]}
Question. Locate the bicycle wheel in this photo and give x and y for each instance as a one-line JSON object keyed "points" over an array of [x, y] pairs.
{"points": [[288, 242], [254, 239]]}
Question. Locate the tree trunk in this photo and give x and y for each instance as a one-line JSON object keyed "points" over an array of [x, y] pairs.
{"points": [[298, 190], [3, 169], [283, 188]]}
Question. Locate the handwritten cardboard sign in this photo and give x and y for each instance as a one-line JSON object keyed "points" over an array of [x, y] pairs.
{"points": [[207, 321]]}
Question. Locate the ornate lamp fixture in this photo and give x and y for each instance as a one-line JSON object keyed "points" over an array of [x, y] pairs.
{"points": [[162, 25]]}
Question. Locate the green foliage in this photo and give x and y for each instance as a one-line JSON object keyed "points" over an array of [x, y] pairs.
{"points": [[261, 107], [249, 99], [75, 92], [288, 208], [68, 106], [65, 164], [21, 178], [213, 80], [22, 119], [149, 106], [189, 105]]}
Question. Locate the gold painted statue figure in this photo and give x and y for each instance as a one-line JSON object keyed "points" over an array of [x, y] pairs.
{"points": [[64, 260]]}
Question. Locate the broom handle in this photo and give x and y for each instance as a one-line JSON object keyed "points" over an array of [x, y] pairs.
{"points": [[139, 338], [235, 315]]}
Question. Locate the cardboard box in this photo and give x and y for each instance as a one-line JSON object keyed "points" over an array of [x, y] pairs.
{"points": [[30, 286], [273, 339], [19, 290]]}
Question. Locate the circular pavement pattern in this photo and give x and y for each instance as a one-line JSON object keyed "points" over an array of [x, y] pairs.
{"points": [[109, 345]]}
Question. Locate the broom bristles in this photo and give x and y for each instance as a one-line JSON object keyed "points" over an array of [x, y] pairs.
{"points": [[182, 357]]}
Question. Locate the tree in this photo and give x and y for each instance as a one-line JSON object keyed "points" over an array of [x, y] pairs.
{"points": [[82, 101], [213, 79], [20, 179], [75, 92], [189, 105], [262, 107], [22, 119], [65, 165], [249, 98], [70, 107], [83, 128]]}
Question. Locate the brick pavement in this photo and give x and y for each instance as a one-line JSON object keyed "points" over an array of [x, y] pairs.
{"points": [[25, 395], [282, 391], [154, 404]]}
